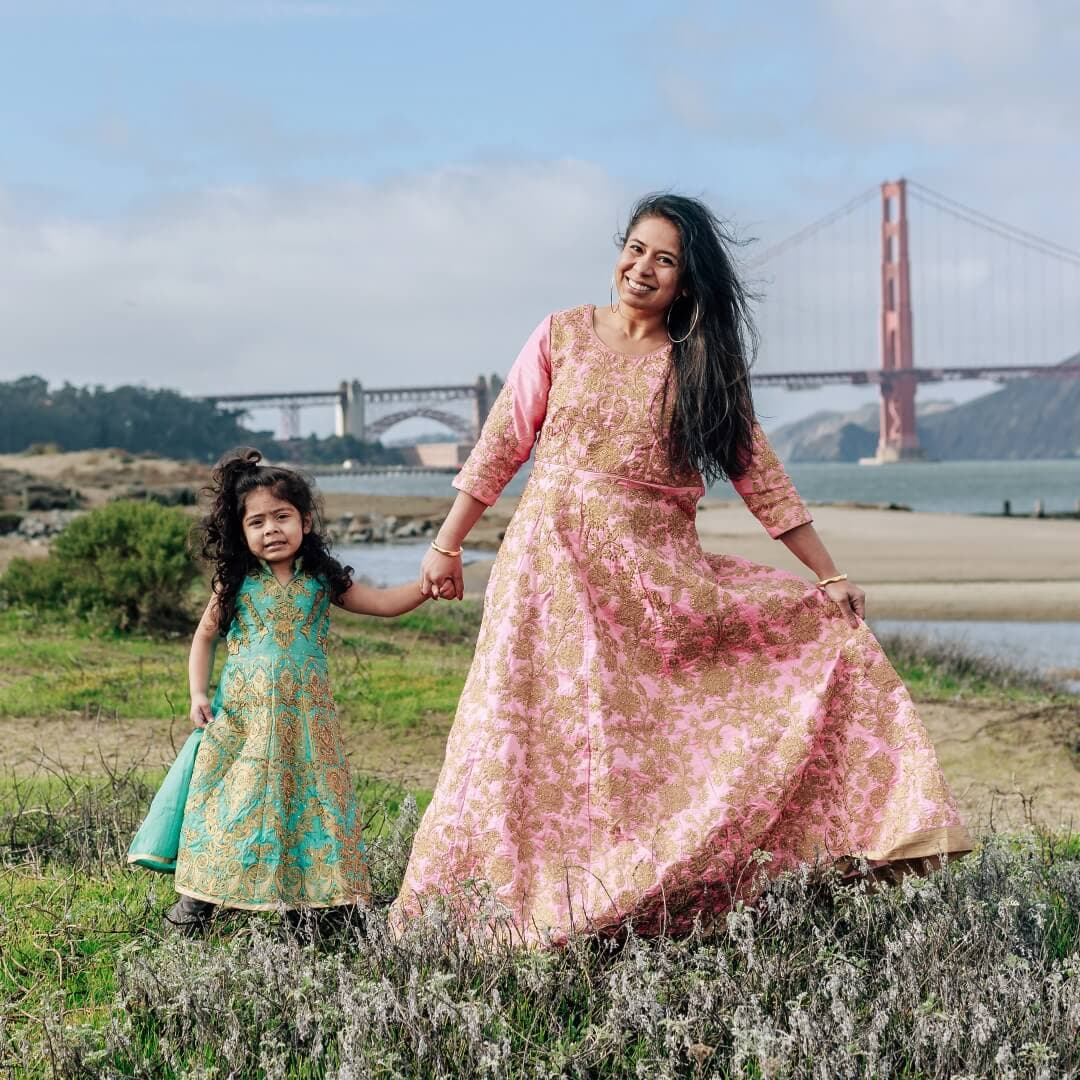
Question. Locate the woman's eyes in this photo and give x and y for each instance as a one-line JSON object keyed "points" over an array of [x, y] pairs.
{"points": [[637, 249]]}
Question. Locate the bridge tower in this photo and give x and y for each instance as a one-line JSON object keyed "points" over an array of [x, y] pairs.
{"points": [[290, 421], [349, 415], [899, 438]]}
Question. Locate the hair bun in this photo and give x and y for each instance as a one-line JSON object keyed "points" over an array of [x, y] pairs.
{"points": [[242, 458], [232, 465]]}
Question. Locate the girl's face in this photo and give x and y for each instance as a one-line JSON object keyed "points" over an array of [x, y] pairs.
{"points": [[649, 267], [273, 528]]}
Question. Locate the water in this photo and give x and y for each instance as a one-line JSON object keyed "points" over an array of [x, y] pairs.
{"points": [[392, 564], [968, 487], [1052, 648], [963, 487]]}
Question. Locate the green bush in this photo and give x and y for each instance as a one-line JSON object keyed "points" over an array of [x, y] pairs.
{"points": [[126, 564]]}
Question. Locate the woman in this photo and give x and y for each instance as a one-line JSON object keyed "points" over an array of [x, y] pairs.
{"points": [[641, 717]]}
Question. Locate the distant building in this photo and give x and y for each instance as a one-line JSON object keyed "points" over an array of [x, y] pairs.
{"points": [[437, 454]]}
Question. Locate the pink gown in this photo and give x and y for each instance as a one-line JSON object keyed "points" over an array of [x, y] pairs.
{"points": [[641, 717]]}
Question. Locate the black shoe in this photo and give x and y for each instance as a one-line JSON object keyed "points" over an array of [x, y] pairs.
{"points": [[189, 917], [314, 924]]}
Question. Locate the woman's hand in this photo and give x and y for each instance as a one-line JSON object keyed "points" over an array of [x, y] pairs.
{"points": [[849, 598], [200, 711], [441, 576]]}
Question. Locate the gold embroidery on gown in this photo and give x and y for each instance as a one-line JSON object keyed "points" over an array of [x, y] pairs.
{"points": [[641, 716], [271, 817]]}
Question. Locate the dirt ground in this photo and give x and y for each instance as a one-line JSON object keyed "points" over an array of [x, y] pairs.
{"points": [[96, 474], [1008, 765]]}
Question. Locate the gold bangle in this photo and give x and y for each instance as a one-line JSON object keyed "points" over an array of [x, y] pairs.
{"points": [[829, 580], [446, 551]]}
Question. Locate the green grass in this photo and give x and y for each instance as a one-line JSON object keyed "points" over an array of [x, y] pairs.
{"points": [[937, 670], [398, 672], [60, 936], [69, 907]]}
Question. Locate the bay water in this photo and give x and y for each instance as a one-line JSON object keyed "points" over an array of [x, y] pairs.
{"points": [[964, 487]]}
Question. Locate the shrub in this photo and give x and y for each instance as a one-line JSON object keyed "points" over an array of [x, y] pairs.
{"points": [[126, 564]]}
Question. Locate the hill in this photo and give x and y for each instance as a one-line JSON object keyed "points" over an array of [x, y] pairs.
{"points": [[1025, 419]]}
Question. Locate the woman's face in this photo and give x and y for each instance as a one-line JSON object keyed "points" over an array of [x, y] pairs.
{"points": [[649, 268]]}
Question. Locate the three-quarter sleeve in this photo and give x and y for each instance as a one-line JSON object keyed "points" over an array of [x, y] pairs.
{"points": [[513, 423], [768, 491]]}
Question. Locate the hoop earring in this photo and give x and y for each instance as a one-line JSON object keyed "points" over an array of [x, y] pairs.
{"points": [[611, 296], [693, 323]]}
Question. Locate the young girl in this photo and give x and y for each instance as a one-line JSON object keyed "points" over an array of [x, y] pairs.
{"points": [[270, 818]]}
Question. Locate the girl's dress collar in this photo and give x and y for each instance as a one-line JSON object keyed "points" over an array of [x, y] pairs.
{"points": [[265, 570]]}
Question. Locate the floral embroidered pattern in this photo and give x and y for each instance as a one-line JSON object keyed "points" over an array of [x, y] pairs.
{"points": [[271, 818], [768, 491], [640, 717]]}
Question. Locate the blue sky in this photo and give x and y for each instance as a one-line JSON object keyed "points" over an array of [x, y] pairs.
{"points": [[269, 193]]}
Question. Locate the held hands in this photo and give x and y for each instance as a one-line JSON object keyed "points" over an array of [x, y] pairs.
{"points": [[849, 598], [200, 711], [441, 576]]}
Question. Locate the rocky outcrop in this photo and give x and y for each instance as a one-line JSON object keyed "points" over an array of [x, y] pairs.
{"points": [[380, 529], [22, 491]]}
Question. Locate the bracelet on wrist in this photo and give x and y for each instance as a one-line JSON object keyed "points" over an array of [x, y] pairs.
{"points": [[829, 580], [446, 551]]}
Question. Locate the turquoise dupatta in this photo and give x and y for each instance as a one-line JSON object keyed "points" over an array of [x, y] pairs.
{"points": [[156, 843]]}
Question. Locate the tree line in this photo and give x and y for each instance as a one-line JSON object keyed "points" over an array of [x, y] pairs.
{"points": [[139, 419]]}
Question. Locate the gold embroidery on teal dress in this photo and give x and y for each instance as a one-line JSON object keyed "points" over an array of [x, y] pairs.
{"points": [[271, 817]]}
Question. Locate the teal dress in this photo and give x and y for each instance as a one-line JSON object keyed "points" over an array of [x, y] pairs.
{"points": [[271, 818]]}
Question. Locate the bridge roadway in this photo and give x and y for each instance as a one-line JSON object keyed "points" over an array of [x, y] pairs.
{"points": [[333, 397], [797, 380], [1070, 369]]}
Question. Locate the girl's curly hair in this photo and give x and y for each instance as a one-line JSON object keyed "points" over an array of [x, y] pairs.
{"points": [[220, 534]]}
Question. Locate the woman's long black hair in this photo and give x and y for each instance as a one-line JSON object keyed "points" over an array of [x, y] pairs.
{"points": [[220, 534], [708, 396]]}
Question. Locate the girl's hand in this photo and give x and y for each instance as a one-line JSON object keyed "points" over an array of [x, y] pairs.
{"points": [[200, 711], [441, 576], [849, 598]]}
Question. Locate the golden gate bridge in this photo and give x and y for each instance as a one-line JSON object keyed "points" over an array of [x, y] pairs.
{"points": [[837, 304]]}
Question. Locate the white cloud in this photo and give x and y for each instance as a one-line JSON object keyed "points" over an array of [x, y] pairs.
{"points": [[437, 277]]}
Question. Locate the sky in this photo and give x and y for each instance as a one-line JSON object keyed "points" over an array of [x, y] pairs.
{"points": [[257, 195]]}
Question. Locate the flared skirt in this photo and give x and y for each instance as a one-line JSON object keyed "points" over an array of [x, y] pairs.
{"points": [[643, 723], [271, 818]]}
